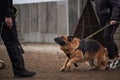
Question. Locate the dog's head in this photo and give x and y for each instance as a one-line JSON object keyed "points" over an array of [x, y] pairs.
{"points": [[67, 42], [63, 40]]}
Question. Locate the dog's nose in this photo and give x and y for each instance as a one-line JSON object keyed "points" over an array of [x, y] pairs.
{"points": [[55, 39]]}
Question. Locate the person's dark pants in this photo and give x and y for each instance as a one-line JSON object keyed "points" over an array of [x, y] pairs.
{"points": [[108, 36], [109, 41], [12, 49]]}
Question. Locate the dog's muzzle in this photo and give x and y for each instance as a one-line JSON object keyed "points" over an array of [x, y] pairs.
{"points": [[60, 41]]}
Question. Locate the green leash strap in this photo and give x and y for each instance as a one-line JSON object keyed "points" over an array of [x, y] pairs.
{"points": [[90, 36]]}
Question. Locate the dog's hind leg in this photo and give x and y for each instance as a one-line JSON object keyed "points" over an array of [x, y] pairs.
{"points": [[102, 60], [64, 65], [103, 64]]}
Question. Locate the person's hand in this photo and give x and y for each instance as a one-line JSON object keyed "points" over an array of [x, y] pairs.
{"points": [[113, 22], [9, 22]]}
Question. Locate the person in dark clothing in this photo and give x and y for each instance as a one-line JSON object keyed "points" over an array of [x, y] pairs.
{"points": [[108, 12], [8, 30]]}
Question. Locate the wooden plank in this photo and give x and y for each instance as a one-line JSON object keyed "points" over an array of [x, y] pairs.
{"points": [[51, 17], [25, 18], [34, 17], [42, 17], [62, 18], [73, 15]]}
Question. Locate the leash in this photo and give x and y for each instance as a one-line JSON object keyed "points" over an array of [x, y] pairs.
{"points": [[90, 36]]}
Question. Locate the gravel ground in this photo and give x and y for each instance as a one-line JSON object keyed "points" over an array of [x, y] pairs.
{"points": [[46, 60]]}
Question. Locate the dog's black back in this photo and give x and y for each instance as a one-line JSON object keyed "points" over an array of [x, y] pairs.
{"points": [[90, 46]]}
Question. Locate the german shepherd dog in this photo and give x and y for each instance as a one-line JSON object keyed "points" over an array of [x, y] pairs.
{"points": [[78, 50]]}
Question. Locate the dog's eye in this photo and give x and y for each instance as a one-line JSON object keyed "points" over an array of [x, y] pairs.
{"points": [[62, 37]]}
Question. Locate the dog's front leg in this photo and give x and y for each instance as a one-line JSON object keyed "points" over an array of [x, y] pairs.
{"points": [[71, 61], [64, 65]]}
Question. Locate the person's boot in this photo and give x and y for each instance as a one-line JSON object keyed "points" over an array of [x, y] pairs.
{"points": [[113, 64], [116, 64], [24, 73]]}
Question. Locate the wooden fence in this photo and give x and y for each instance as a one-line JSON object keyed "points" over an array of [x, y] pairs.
{"points": [[41, 22]]}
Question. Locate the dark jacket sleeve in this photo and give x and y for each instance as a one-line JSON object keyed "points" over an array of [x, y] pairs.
{"points": [[6, 8], [115, 4]]}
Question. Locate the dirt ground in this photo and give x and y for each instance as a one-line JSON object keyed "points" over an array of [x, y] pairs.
{"points": [[46, 60]]}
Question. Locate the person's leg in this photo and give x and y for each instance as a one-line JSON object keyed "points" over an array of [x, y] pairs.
{"points": [[15, 56], [111, 46], [14, 53], [14, 35], [109, 41]]}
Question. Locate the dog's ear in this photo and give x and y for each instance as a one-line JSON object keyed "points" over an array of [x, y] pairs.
{"points": [[70, 38]]}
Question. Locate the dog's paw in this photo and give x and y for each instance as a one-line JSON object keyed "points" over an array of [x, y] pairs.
{"points": [[92, 68], [62, 69]]}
